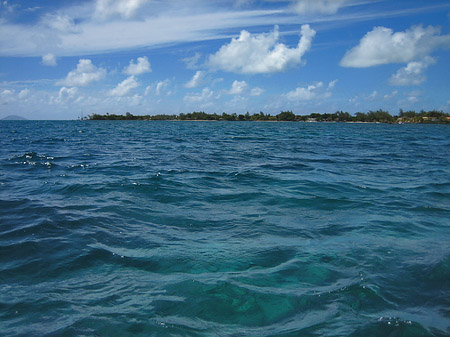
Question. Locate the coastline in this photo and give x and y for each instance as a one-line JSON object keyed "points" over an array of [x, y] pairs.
{"points": [[379, 116]]}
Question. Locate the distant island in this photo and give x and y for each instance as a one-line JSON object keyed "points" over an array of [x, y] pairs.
{"points": [[14, 118], [379, 116]]}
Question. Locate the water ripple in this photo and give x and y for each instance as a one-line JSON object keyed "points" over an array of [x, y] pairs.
{"points": [[224, 229]]}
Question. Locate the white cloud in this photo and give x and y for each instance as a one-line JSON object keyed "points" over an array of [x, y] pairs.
{"points": [[217, 80], [49, 60], [243, 3], [165, 22], [84, 74], [332, 84], [7, 96], [105, 9], [65, 94], [161, 87], [124, 87], [413, 73], [32, 9], [413, 99], [238, 88], [23, 94], [242, 88], [8, 7], [142, 66], [196, 80], [373, 95], [318, 6], [256, 91], [148, 90], [136, 100], [191, 62], [391, 95], [7, 92], [205, 95], [261, 53], [383, 46], [354, 100], [61, 23], [304, 94]]}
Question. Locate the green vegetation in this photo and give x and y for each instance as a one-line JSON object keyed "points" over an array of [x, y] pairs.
{"points": [[379, 116]]}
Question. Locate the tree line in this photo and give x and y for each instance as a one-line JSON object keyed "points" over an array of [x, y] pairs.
{"points": [[378, 116]]}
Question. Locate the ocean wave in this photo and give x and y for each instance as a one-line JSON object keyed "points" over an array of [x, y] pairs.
{"points": [[223, 229]]}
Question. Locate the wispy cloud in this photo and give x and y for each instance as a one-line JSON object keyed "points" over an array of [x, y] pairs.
{"points": [[318, 6], [90, 36], [105, 9], [192, 62], [87, 28]]}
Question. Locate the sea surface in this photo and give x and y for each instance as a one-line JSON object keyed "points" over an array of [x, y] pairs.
{"points": [[128, 228]]}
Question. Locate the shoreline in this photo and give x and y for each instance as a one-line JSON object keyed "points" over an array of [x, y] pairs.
{"points": [[379, 116], [268, 121]]}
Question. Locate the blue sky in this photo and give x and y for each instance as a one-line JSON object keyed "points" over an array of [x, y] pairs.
{"points": [[59, 59]]}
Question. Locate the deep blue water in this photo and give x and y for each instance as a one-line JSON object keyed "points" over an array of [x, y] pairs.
{"points": [[224, 229]]}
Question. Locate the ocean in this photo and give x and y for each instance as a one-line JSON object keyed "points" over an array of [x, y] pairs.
{"points": [[137, 228]]}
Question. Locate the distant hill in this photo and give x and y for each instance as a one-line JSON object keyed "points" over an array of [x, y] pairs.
{"points": [[14, 118]]}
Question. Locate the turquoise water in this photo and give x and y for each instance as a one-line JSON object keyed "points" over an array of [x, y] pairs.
{"points": [[224, 229]]}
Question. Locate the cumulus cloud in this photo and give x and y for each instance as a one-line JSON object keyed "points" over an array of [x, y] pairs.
{"points": [[65, 94], [161, 87], [23, 93], [84, 74], [205, 95], [256, 91], [7, 92], [49, 60], [124, 87], [238, 88], [7, 96], [305, 93], [261, 53], [318, 6], [105, 9], [413, 73], [383, 46], [142, 66], [241, 88], [196, 80]]}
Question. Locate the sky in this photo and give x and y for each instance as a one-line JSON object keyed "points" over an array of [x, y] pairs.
{"points": [[66, 59]]}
